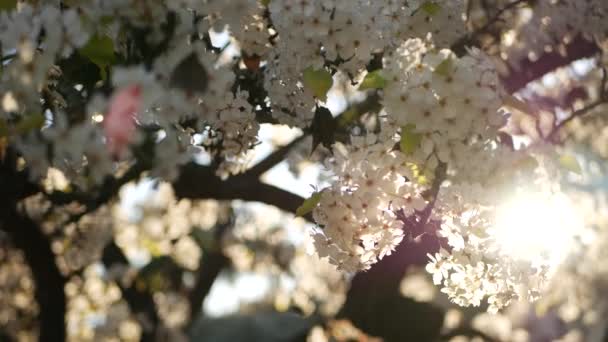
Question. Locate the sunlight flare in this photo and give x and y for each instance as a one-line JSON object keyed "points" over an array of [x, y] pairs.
{"points": [[534, 226]]}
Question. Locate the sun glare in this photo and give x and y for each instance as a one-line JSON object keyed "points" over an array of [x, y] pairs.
{"points": [[535, 226]]}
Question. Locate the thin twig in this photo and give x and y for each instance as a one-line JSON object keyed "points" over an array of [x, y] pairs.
{"points": [[603, 98], [8, 57]]}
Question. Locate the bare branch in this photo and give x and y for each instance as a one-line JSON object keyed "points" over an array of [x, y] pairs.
{"points": [[602, 99]]}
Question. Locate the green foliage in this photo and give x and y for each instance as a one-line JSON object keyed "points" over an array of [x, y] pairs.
{"points": [[158, 275], [309, 204], [409, 139], [205, 239], [444, 68], [100, 50], [348, 116], [7, 5], [3, 128], [570, 163], [431, 8], [29, 123], [318, 81], [373, 80]]}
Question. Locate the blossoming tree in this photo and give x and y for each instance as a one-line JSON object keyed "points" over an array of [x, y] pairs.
{"points": [[429, 121]]}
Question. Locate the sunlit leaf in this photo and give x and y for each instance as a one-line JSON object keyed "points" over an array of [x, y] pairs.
{"points": [[444, 68], [100, 50], [430, 8], [348, 116], [29, 123], [409, 139], [309, 204], [318, 81], [373, 80], [3, 128], [7, 5], [527, 163], [570, 163], [152, 247]]}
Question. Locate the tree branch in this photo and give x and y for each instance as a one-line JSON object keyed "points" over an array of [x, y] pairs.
{"points": [[603, 99], [467, 332], [140, 301], [49, 281], [274, 158], [212, 263], [200, 182], [36, 247], [531, 70]]}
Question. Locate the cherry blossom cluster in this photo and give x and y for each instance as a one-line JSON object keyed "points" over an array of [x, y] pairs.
{"points": [[450, 107], [452, 102], [336, 33], [163, 226], [155, 94], [167, 92], [358, 212]]}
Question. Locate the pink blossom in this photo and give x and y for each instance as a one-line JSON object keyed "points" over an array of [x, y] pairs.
{"points": [[119, 122]]}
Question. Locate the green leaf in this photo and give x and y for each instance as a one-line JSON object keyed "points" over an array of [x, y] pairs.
{"points": [[431, 8], [318, 81], [265, 2], [528, 163], [373, 80], [348, 116], [100, 50], [444, 68], [309, 204], [3, 128], [409, 139], [8, 5], [29, 123], [570, 163]]}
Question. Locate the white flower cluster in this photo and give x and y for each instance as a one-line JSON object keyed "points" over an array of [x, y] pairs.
{"points": [[450, 106], [166, 91], [357, 213], [256, 244], [93, 297], [452, 102], [336, 32], [163, 226], [78, 149]]}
